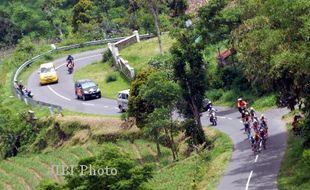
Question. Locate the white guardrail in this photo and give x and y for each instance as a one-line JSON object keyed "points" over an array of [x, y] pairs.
{"points": [[63, 48]]}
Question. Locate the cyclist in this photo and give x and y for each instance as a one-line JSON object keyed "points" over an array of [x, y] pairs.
{"points": [[257, 139], [241, 105], [252, 114], [255, 126], [263, 124], [247, 129]]}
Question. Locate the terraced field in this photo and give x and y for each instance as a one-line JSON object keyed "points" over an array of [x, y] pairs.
{"points": [[25, 173]]}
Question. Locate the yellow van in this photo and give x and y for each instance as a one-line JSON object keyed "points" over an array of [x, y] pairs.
{"points": [[48, 74]]}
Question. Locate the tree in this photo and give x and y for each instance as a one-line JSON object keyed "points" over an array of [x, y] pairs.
{"points": [[153, 7], [9, 32], [137, 106], [189, 71], [82, 13], [55, 15], [272, 47], [217, 20], [163, 94]]}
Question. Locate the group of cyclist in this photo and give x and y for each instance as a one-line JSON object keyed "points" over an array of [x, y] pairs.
{"points": [[255, 128]]}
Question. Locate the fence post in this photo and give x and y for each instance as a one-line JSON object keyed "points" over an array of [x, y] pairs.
{"points": [[137, 35]]}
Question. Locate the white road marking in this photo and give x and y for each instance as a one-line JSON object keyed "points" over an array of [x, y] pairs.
{"points": [[248, 182], [106, 106], [88, 104], [229, 118], [221, 117], [116, 108], [61, 96], [78, 60], [256, 158]]}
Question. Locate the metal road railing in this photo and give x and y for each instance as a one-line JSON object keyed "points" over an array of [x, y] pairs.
{"points": [[20, 69]]}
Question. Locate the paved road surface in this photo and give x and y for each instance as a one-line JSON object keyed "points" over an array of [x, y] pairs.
{"points": [[245, 171]]}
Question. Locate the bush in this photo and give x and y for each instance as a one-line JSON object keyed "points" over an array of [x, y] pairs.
{"points": [[107, 56], [48, 57], [111, 78], [215, 95], [306, 157]]}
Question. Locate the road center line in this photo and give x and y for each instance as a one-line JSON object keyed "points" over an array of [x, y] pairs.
{"points": [[88, 104], [256, 158], [248, 182], [79, 59], [61, 96]]}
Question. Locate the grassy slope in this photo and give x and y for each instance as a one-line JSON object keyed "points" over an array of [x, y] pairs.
{"points": [[207, 172], [98, 72], [294, 174], [28, 171], [140, 53]]}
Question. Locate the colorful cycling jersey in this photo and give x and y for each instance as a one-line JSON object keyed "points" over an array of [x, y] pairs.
{"points": [[242, 104]]}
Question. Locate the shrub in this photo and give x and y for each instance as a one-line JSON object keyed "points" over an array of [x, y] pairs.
{"points": [[48, 57], [111, 78], [306, 157], [215, 95], [107, 56]]}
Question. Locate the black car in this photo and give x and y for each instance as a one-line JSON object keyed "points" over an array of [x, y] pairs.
{"points": [[86, 89]]}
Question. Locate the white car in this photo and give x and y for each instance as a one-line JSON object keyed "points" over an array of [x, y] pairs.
{"points": [[122, 100]]}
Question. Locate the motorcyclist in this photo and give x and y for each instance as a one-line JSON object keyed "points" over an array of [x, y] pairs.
{"points": [[70, 63], [209, 106], [212, 114], [27, 92], [70, 58]]}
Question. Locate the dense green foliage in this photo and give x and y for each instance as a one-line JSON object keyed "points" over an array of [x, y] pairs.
{"points": [[128, 174], [137, 106], [80, 19], [189, 72], [294, 172]]}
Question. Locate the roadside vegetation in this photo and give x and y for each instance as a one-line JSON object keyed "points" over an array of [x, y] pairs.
{"points": [[294, 172], [72, 139], [269, 55]]}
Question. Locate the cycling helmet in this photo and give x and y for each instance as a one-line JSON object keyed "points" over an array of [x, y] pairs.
{"points": [[239, 99]]}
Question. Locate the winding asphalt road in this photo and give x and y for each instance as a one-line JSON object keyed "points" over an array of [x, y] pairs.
{"points": [[245, 171]]}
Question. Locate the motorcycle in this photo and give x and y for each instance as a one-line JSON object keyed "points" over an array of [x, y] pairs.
{"points": [[213, 118], [70, 68]]}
